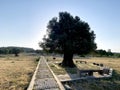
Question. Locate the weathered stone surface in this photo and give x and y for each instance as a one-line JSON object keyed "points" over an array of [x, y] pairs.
{"points": [[44, 78], [46, 83]]}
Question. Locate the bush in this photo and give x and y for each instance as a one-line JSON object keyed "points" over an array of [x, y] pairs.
{"points": [[37, 59]]}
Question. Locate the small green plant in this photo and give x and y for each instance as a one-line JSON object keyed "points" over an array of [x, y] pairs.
{"points": [[37, 59]]}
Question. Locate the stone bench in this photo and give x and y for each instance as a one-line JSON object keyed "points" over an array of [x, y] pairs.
{"points": [[83, 73], [88, 72], [108, 71]]}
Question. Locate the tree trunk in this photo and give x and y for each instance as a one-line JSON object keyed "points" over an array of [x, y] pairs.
{"points": [[68, 59]]}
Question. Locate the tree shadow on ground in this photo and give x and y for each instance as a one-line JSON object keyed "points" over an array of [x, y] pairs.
{"points": [[72, 74]]}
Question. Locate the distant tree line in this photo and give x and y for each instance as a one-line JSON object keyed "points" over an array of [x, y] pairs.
{"points": [[15, 50], [102, 52]]}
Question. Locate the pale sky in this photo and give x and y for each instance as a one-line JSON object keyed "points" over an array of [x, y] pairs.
{"points": [[23, 22]]}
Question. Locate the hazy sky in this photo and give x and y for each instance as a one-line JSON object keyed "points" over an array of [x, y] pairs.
{"points": [[23, 22]]}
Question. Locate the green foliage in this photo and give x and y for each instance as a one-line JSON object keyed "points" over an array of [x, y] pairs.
{"points": [[39, 51], [37, 59], [104, 53], [13, 50], [117, 55], [68, 33]]}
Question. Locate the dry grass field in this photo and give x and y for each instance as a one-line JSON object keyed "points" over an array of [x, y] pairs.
{"points": [[16, 72], [91, 84], [102, 84]]}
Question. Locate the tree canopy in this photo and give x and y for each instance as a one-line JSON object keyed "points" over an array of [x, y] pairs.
{"points": [[12, 49], [69, 35]]}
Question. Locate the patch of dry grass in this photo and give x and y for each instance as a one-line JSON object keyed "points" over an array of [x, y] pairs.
{"points": [[101, 84], [109, 62], [57, 69], [54, 64], [16, 72]]}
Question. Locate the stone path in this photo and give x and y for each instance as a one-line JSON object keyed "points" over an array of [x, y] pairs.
{"points": [[44, 78]]}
